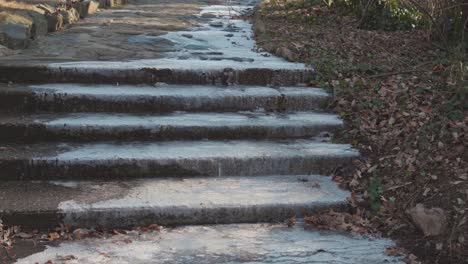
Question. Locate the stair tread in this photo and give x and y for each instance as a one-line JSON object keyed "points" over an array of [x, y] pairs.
{"points": [[236, 243], [159, 98], [181, 119], [167, 150], [167, 199], [175, 90], [200, 192]]}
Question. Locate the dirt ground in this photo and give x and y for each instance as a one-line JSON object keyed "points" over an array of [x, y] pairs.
{"points": [[403, 99]]}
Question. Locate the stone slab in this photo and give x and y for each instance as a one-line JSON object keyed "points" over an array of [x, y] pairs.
{"points": [[160, 98], [244, 243], [172, 126], [172, 158], [169, 201]]}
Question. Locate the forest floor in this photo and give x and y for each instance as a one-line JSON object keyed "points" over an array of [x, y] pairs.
{"points": [[404, 103]]}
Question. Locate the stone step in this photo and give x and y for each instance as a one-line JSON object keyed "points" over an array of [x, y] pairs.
{"points": [[234, 244], [162, 98], [172, 126], [170, 158], [239, 243], [165, 71], [167, 201]]}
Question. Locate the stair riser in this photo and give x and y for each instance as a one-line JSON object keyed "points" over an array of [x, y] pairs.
{"points": [[127, 168], [172, 216], [43, 102], [251, 76], [40, 132]]}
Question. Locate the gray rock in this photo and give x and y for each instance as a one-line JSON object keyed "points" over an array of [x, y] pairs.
{"points": [[39, 26], [86, 8], [4, 51], [285, 53], [70, 16], [54, 22], [431, 222], [46, 8], [187, 36], [15, 36]]}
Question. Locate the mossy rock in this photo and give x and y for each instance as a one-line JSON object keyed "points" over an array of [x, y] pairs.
{"points": [[15, 30]]}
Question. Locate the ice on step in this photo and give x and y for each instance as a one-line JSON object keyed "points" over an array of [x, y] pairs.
{"points": [[229, 44], [242, 243]]}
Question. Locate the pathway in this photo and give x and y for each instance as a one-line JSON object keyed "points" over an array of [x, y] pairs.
{"points": [[212, 136]]}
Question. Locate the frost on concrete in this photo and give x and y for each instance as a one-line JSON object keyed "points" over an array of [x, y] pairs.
{"points": [[242, 243], [224, 42], [185, 150], [242, 119], [181, 91], [226, 192]]}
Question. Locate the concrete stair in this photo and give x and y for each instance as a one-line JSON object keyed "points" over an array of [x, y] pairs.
{"points": [[172, 73], [226, 135], [171, 201], [217, 141], [166, 126], [127, 155], [105, 160], [160, 98], [233, 243]]}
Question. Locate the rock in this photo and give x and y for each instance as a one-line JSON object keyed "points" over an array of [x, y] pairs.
{"points": [[54, 22], [91, 7], [15, 29], [4, 51], [187, 36], [81, 233], [39, 26], [15, 36], [86, 8], [258, 26], [431, 222], [46, 8], [229, 35], [285, 53], [70, 16], [112, 3]]}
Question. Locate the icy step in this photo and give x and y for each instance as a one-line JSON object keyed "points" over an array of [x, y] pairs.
{"points": [[171, 158], [160, 98], [169, 71], [128, 127], [169, 201], [237, 243]]}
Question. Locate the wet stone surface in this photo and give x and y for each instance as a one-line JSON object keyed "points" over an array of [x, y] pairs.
{"points": [[244, 243], [170, 201], [204, 51], [174, 158], [160, 98], [178, 125]]}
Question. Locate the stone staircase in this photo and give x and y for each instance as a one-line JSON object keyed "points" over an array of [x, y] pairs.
{"points": [[117, 156], [200, 139], [216, 138], [202, 144]]}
